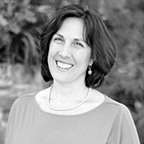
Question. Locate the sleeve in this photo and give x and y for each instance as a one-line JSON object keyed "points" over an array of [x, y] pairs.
{"points": [[123, 130], [11, 125], [128, 129]]}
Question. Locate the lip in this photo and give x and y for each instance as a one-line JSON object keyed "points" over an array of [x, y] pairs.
{"points": [[63, 65]]}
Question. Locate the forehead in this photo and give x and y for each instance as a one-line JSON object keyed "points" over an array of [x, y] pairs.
{"points": [[72, 27]]}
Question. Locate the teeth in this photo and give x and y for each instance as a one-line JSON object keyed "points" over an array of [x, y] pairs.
{"points": [[64, 65]]}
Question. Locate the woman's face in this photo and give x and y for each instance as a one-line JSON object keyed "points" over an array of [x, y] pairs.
{"points": [[69, 55]]}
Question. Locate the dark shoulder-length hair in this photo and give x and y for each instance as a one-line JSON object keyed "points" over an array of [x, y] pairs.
{"points": [[96, 35]]}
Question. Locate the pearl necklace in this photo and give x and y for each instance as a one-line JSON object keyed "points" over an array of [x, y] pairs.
{"points": [[67, 109]]}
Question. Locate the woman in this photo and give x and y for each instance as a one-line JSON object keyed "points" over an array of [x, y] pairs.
{"points": [[77, 52]]}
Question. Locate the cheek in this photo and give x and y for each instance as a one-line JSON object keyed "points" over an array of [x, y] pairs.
{"points": [[50, 53], [83, 56], [52, 50]]}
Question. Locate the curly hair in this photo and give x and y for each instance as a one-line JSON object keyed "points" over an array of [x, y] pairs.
{"points": [[96, 36]]}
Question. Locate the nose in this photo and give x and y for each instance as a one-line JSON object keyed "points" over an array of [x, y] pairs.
{"points": [[65, 51]]}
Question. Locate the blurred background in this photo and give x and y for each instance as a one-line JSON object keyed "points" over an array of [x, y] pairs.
{"points": [[20, 25]]}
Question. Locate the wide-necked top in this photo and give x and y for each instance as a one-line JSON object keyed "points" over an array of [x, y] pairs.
{"points": [[108, 123]]}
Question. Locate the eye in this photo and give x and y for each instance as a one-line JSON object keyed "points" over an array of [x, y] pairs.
{"points": [[58, 39], [79, 44]]}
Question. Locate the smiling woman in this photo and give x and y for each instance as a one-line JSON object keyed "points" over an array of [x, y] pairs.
{"points": [[77, 51], [69, 56]]}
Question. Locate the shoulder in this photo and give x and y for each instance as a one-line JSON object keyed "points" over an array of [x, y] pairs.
{"points": [[25, 97], [109, 106], [109, 102], [123, 124], [116, 104], [120, 113], [120, 109], [23, 101], [22, 105]]}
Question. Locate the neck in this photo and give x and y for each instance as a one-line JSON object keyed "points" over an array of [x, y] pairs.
{"points": [[69, 91], [72, 103]]}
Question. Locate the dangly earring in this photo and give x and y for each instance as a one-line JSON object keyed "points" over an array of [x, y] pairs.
{"points": [[89, 70], [89, 67]]}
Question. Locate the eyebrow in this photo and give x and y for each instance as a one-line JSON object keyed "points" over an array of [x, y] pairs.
{"points": [[59, 35], [76, 39]]}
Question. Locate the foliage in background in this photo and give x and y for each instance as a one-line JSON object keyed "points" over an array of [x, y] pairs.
{"points": [[18, 39], [20, 25]]}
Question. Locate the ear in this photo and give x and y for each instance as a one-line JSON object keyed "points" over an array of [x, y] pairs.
{"points": [[91, 62]]}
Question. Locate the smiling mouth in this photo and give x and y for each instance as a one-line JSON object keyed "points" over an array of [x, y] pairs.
{"points": [[63, 65]]}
